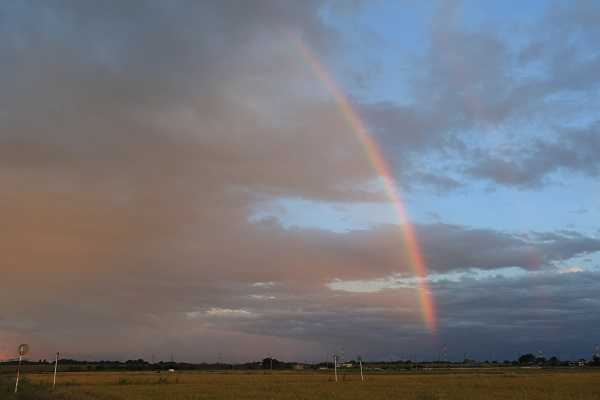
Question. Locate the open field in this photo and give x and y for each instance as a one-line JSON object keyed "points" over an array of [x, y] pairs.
{"points": [[577, 383]]}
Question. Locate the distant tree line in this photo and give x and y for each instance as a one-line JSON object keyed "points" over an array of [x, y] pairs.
{"points": [[274, 364]]}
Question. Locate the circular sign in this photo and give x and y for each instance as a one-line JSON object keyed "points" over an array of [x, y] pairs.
{"points": [[23, 349]]}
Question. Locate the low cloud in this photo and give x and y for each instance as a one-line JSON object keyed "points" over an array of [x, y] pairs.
{"points": [[569, 270]]}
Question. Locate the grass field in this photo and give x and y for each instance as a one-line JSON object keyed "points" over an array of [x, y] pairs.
{"points": [[577, 383]]}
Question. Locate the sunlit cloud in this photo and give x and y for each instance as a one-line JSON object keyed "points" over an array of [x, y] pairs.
{"points": [[569, 270], [226, 311]]}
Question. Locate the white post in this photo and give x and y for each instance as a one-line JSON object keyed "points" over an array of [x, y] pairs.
{"points": [[361, 374], [55, 365], [335, 362]]}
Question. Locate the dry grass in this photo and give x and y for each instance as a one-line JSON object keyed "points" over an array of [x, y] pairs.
{"points": [[515, 384]]}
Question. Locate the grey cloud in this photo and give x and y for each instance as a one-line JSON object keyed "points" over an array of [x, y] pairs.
{"points": [[172, 103], [539, 311], [565, 244], [451, 247], [573, 151]]}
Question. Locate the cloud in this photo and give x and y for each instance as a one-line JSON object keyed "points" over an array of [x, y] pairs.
{"points": [[539, 306], [452, 247], [533, 166], [485, 106], [569, 270]]}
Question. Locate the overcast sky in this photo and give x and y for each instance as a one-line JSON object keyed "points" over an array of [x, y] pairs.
{"points": [[184, 178]]}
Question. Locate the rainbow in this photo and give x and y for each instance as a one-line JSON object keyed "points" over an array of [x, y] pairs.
{"points": [[381, 167]]}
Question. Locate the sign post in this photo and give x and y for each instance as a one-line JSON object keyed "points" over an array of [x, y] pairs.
{"points": [[23, 349]]}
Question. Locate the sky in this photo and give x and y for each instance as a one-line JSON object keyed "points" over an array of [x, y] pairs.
{"points": [[227, 180]]}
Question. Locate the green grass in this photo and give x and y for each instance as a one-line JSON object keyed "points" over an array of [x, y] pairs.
{"points": [[580, 384]]}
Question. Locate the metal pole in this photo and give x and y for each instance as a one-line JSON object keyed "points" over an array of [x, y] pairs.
{"points": [[55, 365]]}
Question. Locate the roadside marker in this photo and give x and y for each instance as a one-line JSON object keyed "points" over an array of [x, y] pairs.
{"points": [[23, 349]]}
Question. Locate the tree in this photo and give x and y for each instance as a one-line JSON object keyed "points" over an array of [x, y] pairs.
{"points": [[270, 363], [526, 359]]}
